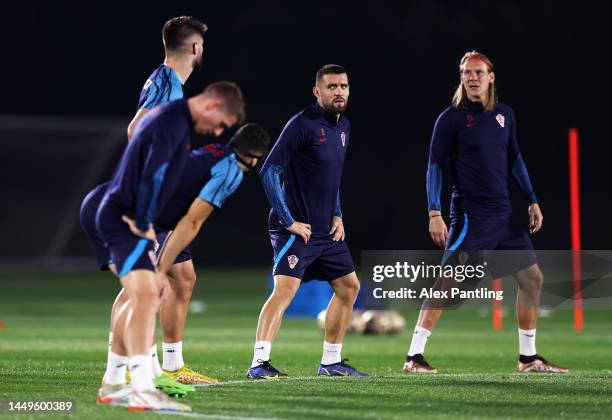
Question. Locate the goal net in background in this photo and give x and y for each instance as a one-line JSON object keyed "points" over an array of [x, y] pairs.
{"points": [[47, 166]]}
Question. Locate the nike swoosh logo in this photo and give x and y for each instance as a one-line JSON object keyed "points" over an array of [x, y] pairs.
{"points": [[170, 351], [341, 373], [259, 348], [528, 335]]}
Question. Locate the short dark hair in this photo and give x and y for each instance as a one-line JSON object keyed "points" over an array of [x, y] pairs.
{"points": [[177, 30], [250, 138], [231, 96], [329, 69]]}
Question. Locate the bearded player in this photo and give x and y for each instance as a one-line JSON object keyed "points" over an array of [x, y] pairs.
{"points": [[301, 178]]}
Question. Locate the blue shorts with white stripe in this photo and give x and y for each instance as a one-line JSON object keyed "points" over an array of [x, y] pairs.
{"points": [[320, 259]]}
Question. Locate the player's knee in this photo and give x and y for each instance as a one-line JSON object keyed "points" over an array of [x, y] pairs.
{"points": [[285, 291], [183, 286], [537, 280], [534, 281], [146, 297], [348, 290]]}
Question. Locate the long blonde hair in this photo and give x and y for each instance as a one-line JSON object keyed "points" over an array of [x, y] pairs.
{"points": [[460, 96]]}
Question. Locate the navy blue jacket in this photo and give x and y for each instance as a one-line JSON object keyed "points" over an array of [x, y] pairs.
{"points": [[482, 151], [211, 173], [152, 163], [309, 156]]}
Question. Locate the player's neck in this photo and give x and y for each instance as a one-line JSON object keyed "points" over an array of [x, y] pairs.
{"points": [[181, 67]]}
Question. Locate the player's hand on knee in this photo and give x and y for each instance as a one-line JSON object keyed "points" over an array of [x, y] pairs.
{"points": [[535, 218], [146, 234], [438, 230], [337, 230], [301, 229], [164, 286]]}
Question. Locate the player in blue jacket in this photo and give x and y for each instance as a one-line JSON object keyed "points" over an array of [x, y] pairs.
{"points": [[183, 40], [476, 137], [145, 179], [301, 178]]}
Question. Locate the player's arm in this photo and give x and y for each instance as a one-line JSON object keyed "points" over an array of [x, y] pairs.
{"points": [[439, 151], [163, 146], [134, 123], [225, 178], [518, 169], [154, 92], [184, 233], [276, 163], [337, 230]]}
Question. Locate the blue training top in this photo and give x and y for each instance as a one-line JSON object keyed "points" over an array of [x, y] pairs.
{"points": [[152, 162], [309, 155], [211, 173], [163, 85], [482, 150]]}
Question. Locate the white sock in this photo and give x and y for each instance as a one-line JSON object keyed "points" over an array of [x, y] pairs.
{"points": [[419, 339], [261, 352], [173, 356], [116, 366], [331, 353], [141, 373], [527, 345], [157, 370]]}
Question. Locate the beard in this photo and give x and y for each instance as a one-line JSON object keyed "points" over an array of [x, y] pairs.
{"points": [[335, 107], [197, 64]]}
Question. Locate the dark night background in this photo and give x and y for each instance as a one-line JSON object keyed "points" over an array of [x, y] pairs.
{"points": [[91, 60]]}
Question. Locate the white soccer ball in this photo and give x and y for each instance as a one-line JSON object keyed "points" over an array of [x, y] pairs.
{"points": [[377, 322]]}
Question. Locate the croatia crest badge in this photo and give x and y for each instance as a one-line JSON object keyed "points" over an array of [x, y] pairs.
{"points": [[292, 260], [500, 119], [343, 139]]}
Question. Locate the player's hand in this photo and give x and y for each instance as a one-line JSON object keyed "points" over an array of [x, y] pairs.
{"points": [[438, 230], [535, 218], [148, 234], [301, 229], [337, 230], [164, 286]]}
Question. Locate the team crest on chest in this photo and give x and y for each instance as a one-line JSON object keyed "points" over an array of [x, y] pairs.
{"points": [[469, 121], [501, 120], [343, 139], [292, 260]]}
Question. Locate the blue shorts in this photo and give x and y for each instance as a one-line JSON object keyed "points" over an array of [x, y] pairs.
{"points": [[473, 240], [320, 259], [89, 207], [184, 255], [127, 251]]}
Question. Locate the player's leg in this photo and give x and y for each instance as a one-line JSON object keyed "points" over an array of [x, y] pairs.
{"points": [[340, 309], [174, 310], [268, 325], [530, 281], [338, 316], [465, 234]]}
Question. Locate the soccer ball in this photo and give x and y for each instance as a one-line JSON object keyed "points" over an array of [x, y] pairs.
{"points": [[381, 322], [377, 322]]}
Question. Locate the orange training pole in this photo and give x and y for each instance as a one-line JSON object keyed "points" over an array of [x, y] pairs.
{"points": [[575, 228]]}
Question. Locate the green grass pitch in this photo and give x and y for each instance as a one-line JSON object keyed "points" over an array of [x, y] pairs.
{"points": [[53, 346]]}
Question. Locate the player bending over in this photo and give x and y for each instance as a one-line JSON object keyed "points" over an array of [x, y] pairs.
{"points": [[146, 177], [183, 39], [211, 175]]}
